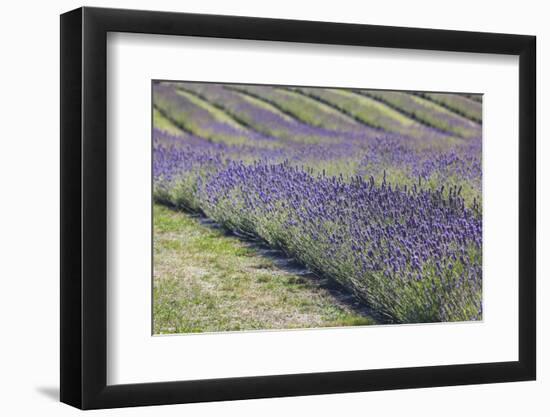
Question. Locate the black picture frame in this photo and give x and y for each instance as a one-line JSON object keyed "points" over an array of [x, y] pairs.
{"points": [[84, 207]]}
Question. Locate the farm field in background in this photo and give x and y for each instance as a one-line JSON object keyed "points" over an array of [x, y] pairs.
{"points": [[374, 197]]}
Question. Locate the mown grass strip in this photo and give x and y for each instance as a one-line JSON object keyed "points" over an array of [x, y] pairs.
{"points": [[458, 104], [299, 107], [338, 108], [217, 111], [388, 111], [189, 117], [257, 115], [475, 97], [406, 113], [176, 123], [207, 281], [246, 124], [289, 110], [163, 123], [266, 103]]}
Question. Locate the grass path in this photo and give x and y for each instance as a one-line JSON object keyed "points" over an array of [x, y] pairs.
{"points": [[207, 281]]}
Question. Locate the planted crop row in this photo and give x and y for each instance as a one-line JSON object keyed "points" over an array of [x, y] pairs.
{"points": [[412, 253]]}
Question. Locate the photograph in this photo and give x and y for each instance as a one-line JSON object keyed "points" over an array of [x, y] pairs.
{"points": [[280, 207], [264, 209]]}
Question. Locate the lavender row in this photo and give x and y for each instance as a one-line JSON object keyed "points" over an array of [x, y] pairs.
{"points": [[412, 253]]}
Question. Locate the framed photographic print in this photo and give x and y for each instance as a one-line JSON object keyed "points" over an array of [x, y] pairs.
{"points": [[256, 207]]}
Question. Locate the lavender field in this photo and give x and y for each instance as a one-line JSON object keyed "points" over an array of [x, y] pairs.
{"points": [[378, 192]]}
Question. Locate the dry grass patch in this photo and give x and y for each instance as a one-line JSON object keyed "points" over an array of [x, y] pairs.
{"points": [[207, 281]]}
